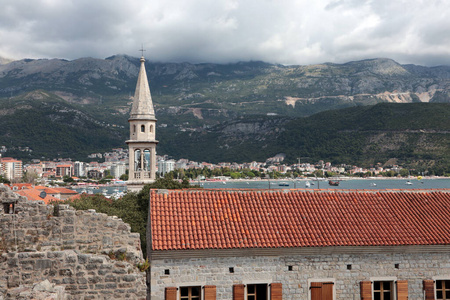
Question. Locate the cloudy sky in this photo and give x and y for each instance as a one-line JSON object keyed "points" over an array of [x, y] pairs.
{"points": [[278, 31]]}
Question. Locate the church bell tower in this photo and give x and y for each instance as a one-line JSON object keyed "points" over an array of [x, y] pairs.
{"points": [[142, 142]]}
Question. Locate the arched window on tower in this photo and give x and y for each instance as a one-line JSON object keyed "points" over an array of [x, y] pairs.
{"points": [[151, 128], [137, 160], [142, 128], [146, 160], [134, 128]]}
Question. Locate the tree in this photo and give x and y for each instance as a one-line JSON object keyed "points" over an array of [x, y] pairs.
{"points": [[29, 177], [124, 177], [67, 179], [404, 172], [4, 180]]}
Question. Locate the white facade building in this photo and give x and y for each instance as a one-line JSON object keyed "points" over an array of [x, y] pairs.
{"points": [[118, 170], [166, 166]]}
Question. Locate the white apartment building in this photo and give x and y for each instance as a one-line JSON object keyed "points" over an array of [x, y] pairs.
{"points": [[118, 170], [165, 166]]}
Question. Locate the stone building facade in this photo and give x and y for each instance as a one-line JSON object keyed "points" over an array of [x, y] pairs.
{"points": [[308, 245], [297, 272], [82, 254]]}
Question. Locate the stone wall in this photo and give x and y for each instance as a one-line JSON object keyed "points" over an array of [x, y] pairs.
{"points": [[91, 255], [345, 270], [83, 276]]}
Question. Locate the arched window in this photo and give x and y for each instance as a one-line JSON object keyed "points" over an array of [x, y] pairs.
{"points": [[134, 128], [137, 160], [151, 128], [146, 160], [142, 128]]}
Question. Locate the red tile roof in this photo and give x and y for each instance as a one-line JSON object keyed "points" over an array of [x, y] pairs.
{"points": [[219, 219], [65, 191], [34, 195]]}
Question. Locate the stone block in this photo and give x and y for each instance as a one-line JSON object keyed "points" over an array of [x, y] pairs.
{"points": [[129, 278], [68, 280], [43, 264], [83, 258], [65, 272], [68, 229], [55, 254]]}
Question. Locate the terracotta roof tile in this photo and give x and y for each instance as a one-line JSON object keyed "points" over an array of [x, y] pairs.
{"points": [[34, 195], [205, 219]]}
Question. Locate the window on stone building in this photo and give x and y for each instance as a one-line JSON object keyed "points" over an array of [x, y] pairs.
{"points": [[261, 291], [256, 291], [142, 128], [134, 128], [321, 290], [151, 128], [8, 208], [383, 290], [206, 292], [442, 289], [190, 293]]}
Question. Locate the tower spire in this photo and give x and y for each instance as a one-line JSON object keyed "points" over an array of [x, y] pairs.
{"points": [[142, 100]]}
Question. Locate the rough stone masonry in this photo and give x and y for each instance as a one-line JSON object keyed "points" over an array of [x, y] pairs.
{"points": [[48, 253]]}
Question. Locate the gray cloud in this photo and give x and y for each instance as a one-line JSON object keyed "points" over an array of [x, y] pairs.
{"points": [[277, 31]]}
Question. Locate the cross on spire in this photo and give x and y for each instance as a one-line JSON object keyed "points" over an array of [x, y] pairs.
{"points": [[142, 50]]}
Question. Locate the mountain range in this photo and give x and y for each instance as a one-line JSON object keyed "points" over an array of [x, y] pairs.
{"points": [[92, 97]]}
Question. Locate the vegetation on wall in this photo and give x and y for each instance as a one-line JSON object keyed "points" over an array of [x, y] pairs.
{"points": [[132, 208]]}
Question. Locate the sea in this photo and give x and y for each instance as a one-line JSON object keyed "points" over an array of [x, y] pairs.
{"points": [[345, 184]]}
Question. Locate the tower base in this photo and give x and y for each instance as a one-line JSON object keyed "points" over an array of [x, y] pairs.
{"points": [[137, 186]]}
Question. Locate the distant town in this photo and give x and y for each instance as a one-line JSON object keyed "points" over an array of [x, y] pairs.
{"points": [[114, 169]]}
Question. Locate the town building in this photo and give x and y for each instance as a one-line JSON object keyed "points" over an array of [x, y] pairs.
{"points": [[294, 244], [79, 169], [142, 142], [166, 166], [118, 169], [64, 170], [11, 168]]}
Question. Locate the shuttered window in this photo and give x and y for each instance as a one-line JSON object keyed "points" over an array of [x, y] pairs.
{"points": [[402, 290], [238, 292], [321, 290], [384, 290], [210, 292], [276, 291], [366, 290], [191, 293], [428, 286], [171, 293], [257, 292]]}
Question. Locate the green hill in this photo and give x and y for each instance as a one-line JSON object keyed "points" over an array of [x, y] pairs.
{"points": [[52, 128], [416, 134]]}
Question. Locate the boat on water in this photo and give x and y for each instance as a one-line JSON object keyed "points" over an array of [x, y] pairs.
{"points": [[333, 182], [283, 184], [408, 183], [307, 184], [373, 184]]}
